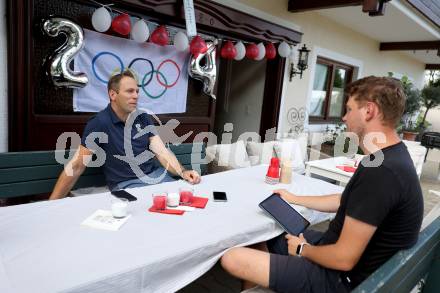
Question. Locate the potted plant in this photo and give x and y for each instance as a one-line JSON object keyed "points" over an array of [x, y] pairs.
{"points": [[331, 134], [430, 99], [410, 131], [408, 127]]}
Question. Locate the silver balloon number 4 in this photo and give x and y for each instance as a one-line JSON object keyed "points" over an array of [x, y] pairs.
{"points": [[207, 73], [58, 63]]}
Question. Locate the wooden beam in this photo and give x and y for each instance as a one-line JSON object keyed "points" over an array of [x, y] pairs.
{"points": [[370, 5], [432, 67], [408, 46], [301, 5], [380, 9]]}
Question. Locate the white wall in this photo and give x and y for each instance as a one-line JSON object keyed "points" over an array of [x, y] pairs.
{"points": [[3, 81]]}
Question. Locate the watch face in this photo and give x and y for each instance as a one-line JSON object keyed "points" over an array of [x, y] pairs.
{"points": [[298, 249]]}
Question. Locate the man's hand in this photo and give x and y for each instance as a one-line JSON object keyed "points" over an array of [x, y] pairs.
{"points": [[323, 203], [293, 242], [191, 176], [287, 196]]}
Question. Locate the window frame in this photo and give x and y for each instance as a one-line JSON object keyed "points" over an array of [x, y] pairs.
{"points": [[333, 65]]}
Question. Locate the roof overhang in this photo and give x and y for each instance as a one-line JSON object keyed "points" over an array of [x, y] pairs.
{"points": [[401, 23], [372, 7]]}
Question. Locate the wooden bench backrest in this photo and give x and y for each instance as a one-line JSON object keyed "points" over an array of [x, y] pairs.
{"points": [[404, 270], [29, 173]]}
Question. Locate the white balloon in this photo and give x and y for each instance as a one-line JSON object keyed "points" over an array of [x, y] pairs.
{"points": [[283, 49], [181, 41], [293, 54], [140, 31], [241, 51], [261, 51], [101, 20]]}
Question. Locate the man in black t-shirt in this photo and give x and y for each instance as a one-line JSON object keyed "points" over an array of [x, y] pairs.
{"points": [[379, 212]]}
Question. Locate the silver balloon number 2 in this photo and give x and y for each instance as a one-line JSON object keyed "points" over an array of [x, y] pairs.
{"points": [[207, 73], [58, 63]]}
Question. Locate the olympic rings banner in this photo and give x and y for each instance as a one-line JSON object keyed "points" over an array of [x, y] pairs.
{"points": [[161, 73]]}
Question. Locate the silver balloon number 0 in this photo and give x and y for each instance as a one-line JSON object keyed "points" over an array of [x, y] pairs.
{"points": [[207, 73], [58, 63]]}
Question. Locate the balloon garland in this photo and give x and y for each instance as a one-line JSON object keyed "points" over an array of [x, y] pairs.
{"points": [[62, 76], [139, 32]]}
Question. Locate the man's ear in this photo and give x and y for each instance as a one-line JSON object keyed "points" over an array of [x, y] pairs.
{"points": [[112, 94], [371, 111]]}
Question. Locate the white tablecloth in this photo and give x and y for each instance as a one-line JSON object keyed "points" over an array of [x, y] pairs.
{"points": [[44, 249]]}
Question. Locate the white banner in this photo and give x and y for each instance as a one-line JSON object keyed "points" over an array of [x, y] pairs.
{"points": [[161, 73]]}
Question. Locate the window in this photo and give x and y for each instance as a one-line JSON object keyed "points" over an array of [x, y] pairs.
{"points": [[328, 101]]}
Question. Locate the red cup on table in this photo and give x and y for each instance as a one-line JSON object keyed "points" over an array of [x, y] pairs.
{"points": [[186, 195], [159, 200], [275, 162]]}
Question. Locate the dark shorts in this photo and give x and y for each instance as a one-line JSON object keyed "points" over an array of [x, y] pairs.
{"points": [[297, 274]]}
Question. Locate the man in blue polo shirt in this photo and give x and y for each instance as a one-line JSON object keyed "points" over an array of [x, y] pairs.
{"points": [[127, 165]]}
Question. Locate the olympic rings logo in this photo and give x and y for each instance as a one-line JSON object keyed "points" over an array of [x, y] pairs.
{"points": [[148, 76]]}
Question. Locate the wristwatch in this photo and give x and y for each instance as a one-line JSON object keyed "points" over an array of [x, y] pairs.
{"points": [[299, 248]]}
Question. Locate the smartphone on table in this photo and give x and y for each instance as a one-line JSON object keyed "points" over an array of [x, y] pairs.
{"points": [[219, 196]]}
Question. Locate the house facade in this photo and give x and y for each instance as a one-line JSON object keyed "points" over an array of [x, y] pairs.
{"points": [[347, 39], [345, 44]]}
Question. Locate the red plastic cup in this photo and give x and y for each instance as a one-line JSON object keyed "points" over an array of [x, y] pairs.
{"points": [[275, 162], [273, 172], [186, 195], [160, 201]]}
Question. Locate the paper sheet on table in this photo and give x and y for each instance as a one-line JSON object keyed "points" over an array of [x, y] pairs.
{"points": [[104, 220]]}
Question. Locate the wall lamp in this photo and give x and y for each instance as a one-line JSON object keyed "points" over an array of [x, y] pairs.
{"points": [[303, 59]]}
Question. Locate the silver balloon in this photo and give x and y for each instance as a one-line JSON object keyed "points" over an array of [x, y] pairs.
{"points": [[208, 73], [58, 63]]}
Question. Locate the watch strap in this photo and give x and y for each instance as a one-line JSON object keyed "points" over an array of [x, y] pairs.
{"points": [[300, 248]]}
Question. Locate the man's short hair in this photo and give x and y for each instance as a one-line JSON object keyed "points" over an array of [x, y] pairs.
{"points": [[386, 92], [115, 80]]}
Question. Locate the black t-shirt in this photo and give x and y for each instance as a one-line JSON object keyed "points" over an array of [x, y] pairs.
{"points": [[388, 197]]}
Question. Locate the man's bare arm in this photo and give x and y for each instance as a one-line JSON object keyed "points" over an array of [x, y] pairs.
{"points": [[169, 161], [166, 158], [323, 203], [346, 252], [71, 173]]}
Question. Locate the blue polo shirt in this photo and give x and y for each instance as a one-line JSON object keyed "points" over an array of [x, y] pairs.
{"points": [[115, 169]]}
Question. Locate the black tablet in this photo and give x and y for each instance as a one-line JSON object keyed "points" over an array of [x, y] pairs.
{"points": [[282, 212]]}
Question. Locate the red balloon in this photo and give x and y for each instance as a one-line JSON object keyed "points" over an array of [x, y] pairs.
{"points": [[252, 51], [271, 52], [228, 50], [160, 36], [122, 24], [198, 46]]}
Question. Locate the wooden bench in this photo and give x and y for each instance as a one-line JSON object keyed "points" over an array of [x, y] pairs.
{"points": [[31, 173], [406, 268]]}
